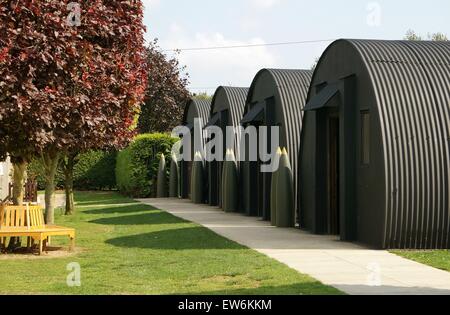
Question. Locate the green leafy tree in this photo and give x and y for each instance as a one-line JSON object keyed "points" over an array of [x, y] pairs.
{"points": [[413, 36], [166, 95], [438, 37], [203, 96]]}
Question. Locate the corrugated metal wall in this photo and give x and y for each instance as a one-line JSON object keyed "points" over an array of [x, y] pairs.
{"points": [[202, 109], [293, 88], [236, 97], [195, 108], [411, 82]]}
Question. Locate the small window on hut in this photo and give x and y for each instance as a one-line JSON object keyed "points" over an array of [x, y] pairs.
{"points": [[365, 138]]}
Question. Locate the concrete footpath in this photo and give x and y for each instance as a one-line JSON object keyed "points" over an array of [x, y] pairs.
{"points": [[349, 267]]}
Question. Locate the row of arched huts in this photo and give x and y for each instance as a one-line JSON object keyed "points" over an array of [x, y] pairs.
{"points": [[367, 137]]}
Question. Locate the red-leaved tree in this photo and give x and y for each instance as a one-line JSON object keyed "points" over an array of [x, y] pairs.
{"points": [[72, 77]]}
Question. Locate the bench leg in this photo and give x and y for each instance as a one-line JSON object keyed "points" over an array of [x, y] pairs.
{"points": [[41, 242], [28, 242], [72, 244], [45, 244]]}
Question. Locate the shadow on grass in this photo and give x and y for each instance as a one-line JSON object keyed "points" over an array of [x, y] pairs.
{"points": [[176, 239], [151, 218], [133, 208], [315, 287], [105, 202], [307, 288]]}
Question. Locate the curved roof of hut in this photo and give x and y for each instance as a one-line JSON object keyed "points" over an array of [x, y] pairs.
{"points": [[202, 108], [410, 82], [293, 85], [235, 98], [292, 89]]}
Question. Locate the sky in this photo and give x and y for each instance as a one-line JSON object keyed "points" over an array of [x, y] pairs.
{"points": [[182, 24]]}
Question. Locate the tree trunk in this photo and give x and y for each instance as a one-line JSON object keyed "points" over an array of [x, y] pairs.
{"points": [[19, 177], [68, 183], [50, 161]]}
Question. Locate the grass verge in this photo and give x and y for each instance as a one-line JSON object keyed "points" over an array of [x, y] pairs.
{"points": [[125, 247], [439, 259]]}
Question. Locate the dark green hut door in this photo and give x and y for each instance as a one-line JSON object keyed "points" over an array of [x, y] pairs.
{"points": [[222, 123], [188, 178], [213, 184], [333, 176], [335, 205], [254, 182]]}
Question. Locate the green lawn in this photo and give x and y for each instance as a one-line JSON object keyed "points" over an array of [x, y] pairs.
{"points": [[435, 258], [125, 247]]}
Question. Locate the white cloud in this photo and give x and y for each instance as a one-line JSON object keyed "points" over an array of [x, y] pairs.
{"points": [[250, 23], [151, 3], [175, 28], [211, 68], [264, 4]]}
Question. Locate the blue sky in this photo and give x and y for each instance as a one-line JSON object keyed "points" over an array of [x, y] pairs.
{"points": [[204, 23]]}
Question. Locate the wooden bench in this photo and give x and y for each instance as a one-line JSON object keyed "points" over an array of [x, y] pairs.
{"points": [[28, 221]]}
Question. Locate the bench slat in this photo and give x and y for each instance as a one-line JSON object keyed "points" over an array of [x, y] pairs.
{"points": [[22, 217], [8, 218], [2, 212]]}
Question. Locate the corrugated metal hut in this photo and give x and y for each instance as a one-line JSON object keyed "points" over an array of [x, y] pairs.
{"points": [[375, 159], [200, 109], [276, 98], [227, 109]]}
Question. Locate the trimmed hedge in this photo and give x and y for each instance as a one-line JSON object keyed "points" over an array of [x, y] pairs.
{"points": [[137, 165], [94, 170]]}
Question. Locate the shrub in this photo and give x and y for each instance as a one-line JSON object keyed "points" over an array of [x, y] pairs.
{"points": [[137, 165], [94, 170]]}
